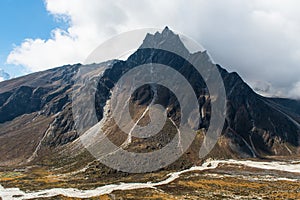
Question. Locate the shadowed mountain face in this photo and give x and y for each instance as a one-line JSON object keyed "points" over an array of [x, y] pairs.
{"points": [[36, 111]]}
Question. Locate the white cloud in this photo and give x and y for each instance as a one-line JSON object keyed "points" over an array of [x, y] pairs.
{"points": [[295, 91], [258, 39], [41, 54]]}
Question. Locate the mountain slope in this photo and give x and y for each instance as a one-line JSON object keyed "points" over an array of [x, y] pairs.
{"points": [[36, 116]]}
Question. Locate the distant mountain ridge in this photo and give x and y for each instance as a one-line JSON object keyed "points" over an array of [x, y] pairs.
{"points": [[36, 112], [4, 75]]}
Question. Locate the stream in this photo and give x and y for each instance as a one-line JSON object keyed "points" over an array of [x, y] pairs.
{"points": [[16, 193]]}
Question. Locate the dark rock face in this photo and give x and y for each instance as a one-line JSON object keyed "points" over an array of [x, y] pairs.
{"points": [[21, 101], [40, 101], [63, 129], [262, 122], [255, 125]]}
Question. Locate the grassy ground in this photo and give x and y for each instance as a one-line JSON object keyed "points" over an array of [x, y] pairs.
{"points": [[225, 182]]}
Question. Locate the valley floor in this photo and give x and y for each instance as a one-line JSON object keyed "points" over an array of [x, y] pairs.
{"points": [[215, 179]]}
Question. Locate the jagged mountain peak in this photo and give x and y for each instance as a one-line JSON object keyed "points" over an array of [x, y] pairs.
{"points": [[167, 31], [167, 40]]}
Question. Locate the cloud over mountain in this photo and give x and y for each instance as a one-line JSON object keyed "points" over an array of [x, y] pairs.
{"points": [[259, 39]]}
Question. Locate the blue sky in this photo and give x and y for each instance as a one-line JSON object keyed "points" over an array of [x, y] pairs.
{"points": [[20, 20]]}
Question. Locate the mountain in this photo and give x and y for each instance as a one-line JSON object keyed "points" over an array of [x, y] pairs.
{"points": [[37, 123], [3, 75]]}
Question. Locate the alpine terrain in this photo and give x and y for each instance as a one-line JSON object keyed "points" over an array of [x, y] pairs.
{"points": [[41, 148]]}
